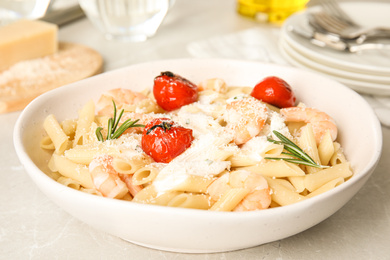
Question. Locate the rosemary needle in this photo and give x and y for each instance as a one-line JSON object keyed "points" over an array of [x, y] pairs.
{"points": [[112, 131], [299, 156]]}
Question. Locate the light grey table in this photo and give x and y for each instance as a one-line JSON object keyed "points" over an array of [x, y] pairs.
{"points": [[33, 227]]}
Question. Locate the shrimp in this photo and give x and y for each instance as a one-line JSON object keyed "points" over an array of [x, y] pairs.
{"points": [[320, 121], [127, 179], [258, 198], [245, 118], [121, 97], [107, 181]]}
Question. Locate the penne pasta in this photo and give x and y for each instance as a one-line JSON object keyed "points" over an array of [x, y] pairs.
{"points": [[101, 121], [188, 200], [149, 195], [240, 160], [86, 117], [281, 194], [230, 199], [326, 149], [56, 134], [338, 157], [308, 144], [194, 183], [237, 91], [298, 182], [286, 184], [69, 126], [69, 182], [316, 180], [73, 170], [276, 169], [146, 174], [91, 191], [327, 186], [272, 150], [84, 154], [216, 84], [47, 144], [130, 166]]}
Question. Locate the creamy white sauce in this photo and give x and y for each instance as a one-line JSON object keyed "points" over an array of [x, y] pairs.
{"points": [[199, 123], [237, 97], [255, 147], [129, 145], [200, 159]]}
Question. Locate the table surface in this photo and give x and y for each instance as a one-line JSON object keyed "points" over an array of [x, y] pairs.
{"points": [[33, 227]]}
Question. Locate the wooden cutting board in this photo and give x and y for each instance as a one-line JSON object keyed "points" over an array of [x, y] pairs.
{"points": [[24, 81]]}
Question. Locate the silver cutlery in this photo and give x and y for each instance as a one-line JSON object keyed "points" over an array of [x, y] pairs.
{"points": [[63, 16], [334, 20], [334, 42]]}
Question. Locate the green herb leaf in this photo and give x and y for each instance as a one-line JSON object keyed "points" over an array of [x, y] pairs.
{"points": [[300, 157], [112, 131], [99, 134]]}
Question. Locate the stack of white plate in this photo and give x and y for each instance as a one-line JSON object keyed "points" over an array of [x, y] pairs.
{"points": [[366, 72]]}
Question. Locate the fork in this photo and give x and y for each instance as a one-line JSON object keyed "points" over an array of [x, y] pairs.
{"points": [[334, 20], [331, 7]]}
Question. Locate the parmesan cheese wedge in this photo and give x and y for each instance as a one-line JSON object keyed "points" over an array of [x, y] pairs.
{"points": [[26, 39]]}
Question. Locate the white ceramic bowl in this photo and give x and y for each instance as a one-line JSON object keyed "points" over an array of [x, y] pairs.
{"points": [[186, 230]]}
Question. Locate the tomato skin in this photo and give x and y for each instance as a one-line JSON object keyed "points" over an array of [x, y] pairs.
{"points": [[172, 91], [274, 91], [164, 144]]}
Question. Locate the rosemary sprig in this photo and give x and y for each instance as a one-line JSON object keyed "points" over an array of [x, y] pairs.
{"points": [[300, 157], [112, 131]]}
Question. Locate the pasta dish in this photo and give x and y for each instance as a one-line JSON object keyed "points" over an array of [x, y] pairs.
{"points": [[207, 146]]}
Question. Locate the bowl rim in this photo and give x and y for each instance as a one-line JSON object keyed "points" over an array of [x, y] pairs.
{"points": [[30, 166]]}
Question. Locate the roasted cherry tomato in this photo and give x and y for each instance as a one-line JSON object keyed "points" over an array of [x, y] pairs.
{"points": [[163, 139], [172, 91], [274, 91]]}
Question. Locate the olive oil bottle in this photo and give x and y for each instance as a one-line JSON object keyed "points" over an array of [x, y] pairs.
{"points": [[273, 11]]}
